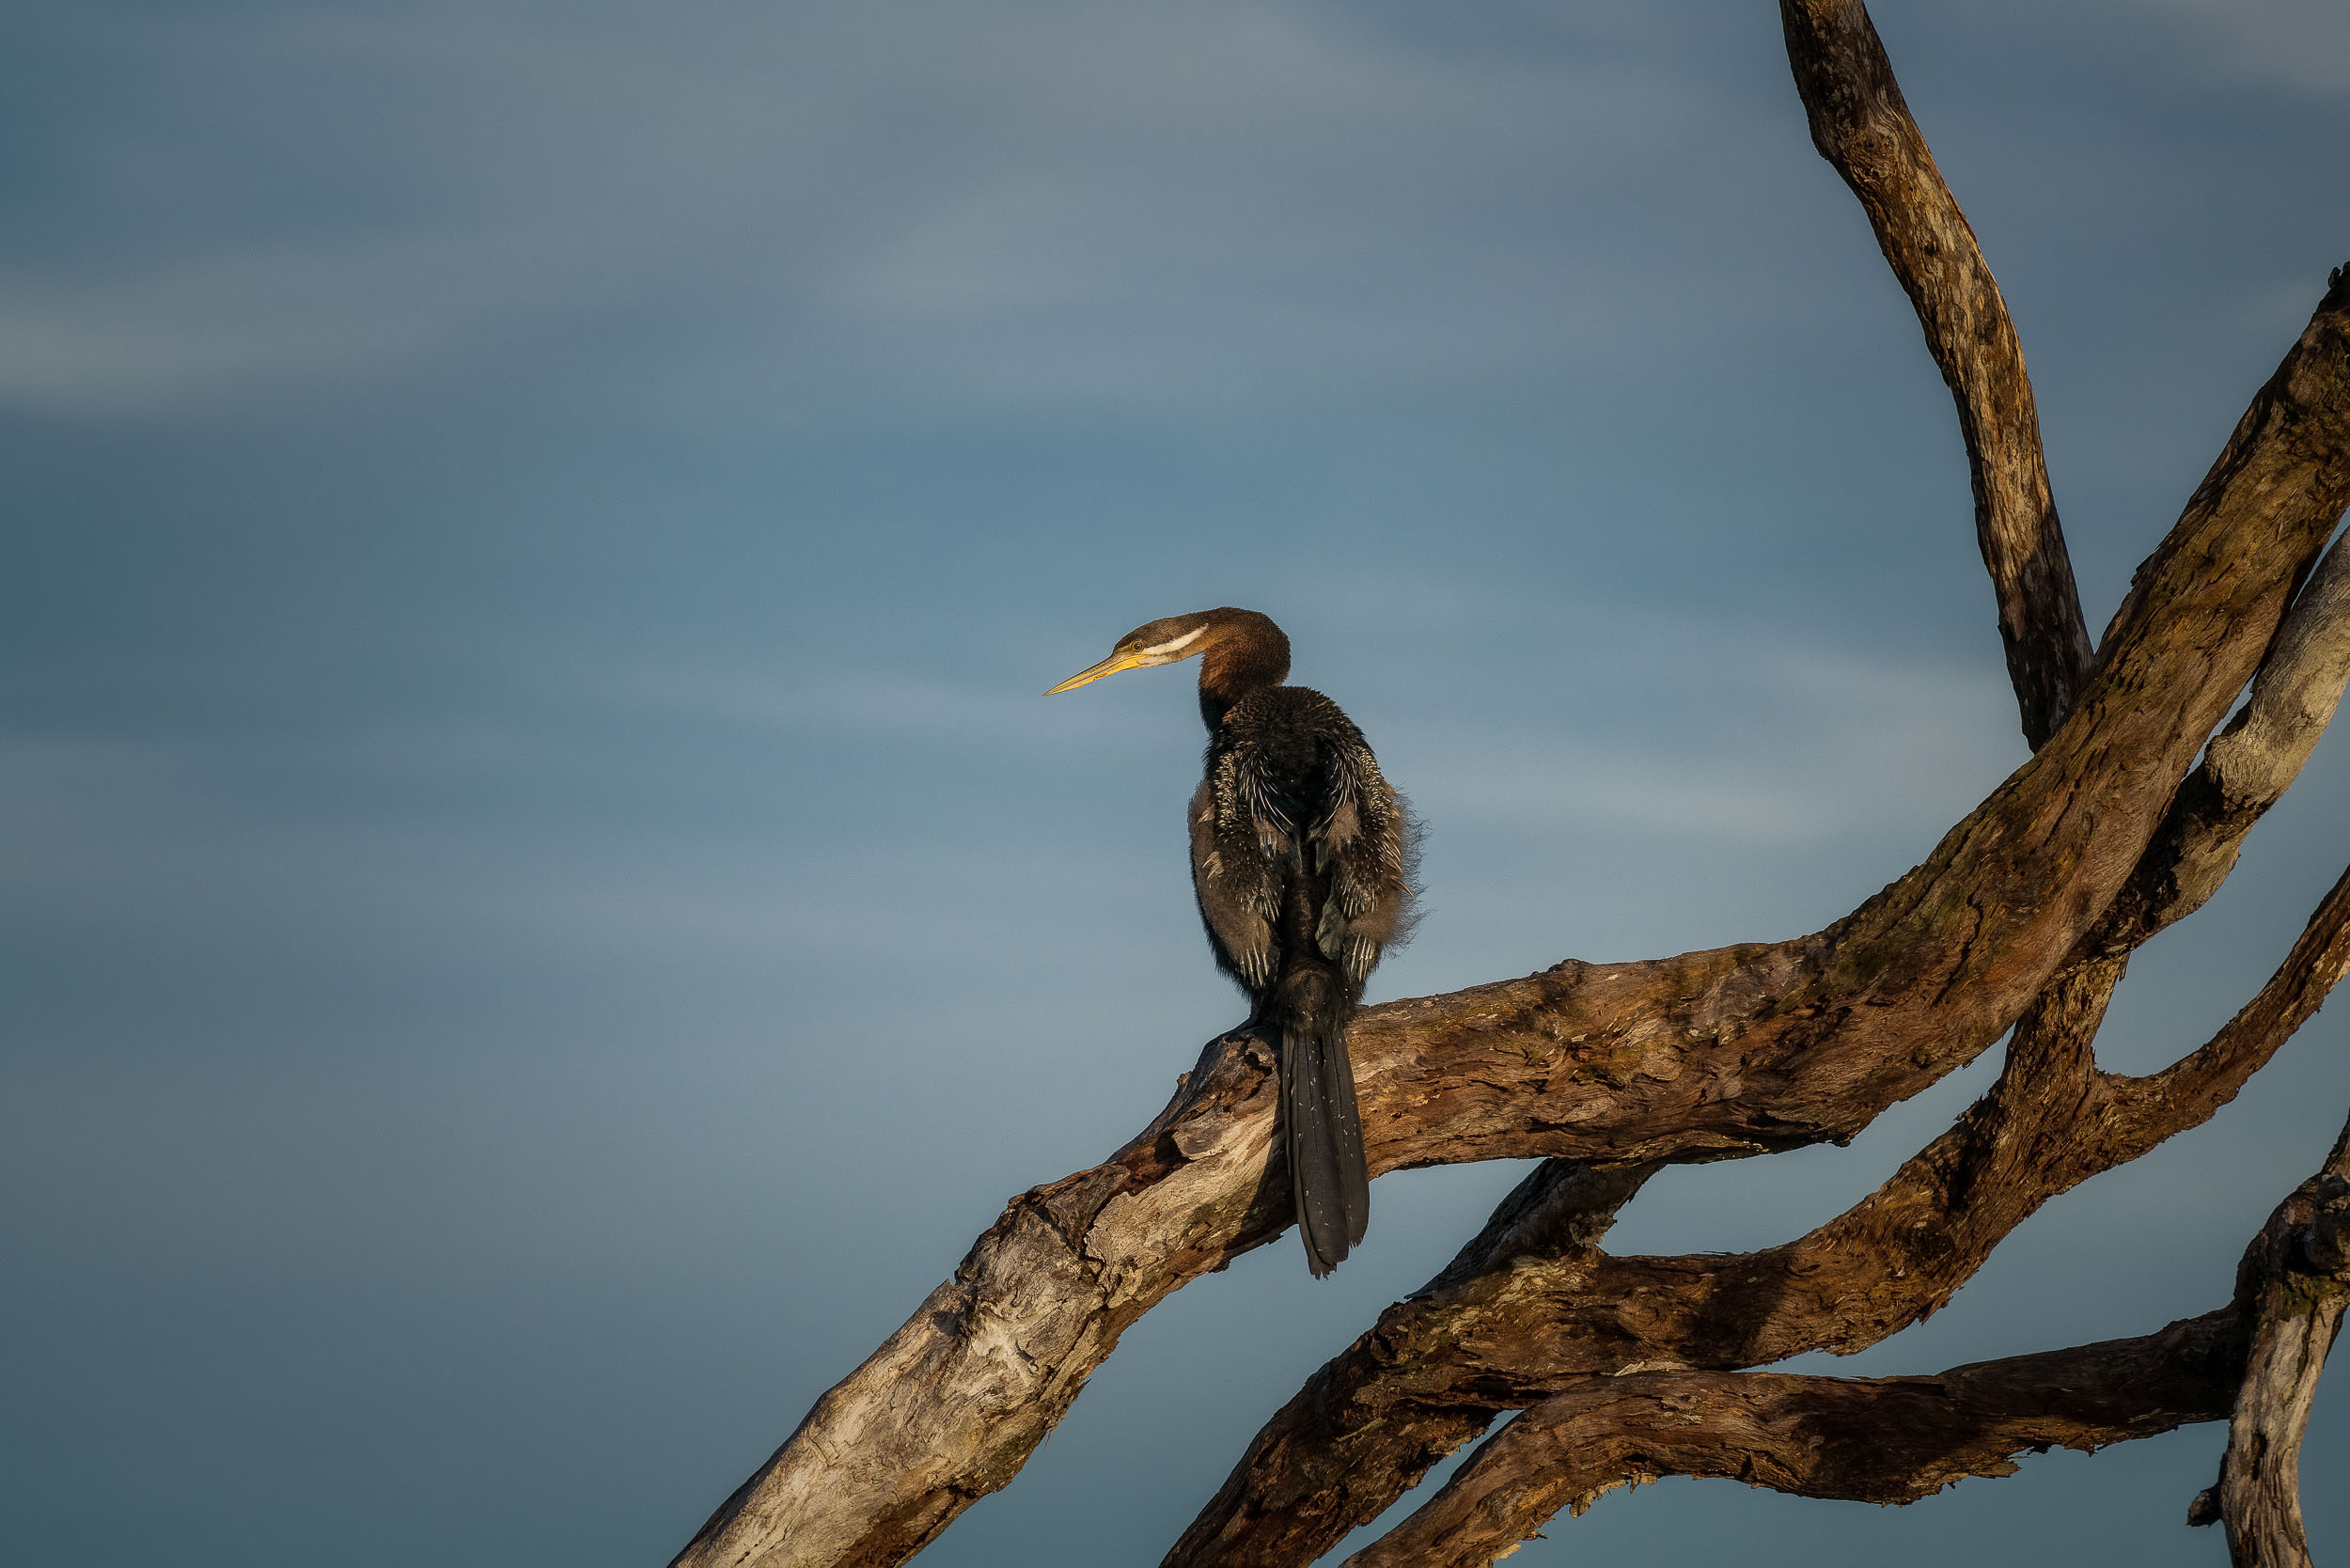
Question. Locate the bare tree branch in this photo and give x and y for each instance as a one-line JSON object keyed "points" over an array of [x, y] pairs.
{"points": [[2245, 771], [2144, 1111], [1305, 1481], [2297, 1280], [1862, 126], [1894, 1440], [1437, 1366], [2248, 766], [2259, 754], [1881, 1440]]}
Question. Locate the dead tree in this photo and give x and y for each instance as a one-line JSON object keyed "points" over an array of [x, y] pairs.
{"points": [[2127, 817]]}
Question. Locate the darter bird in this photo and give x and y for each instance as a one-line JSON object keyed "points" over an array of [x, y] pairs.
{"points": [[1302, 858]]}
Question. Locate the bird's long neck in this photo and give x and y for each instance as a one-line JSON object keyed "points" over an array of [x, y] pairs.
{"points": [[1249, 656]]}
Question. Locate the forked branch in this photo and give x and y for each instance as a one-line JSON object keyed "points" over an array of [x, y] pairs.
{"points": [[1741, 1050], [1881, 1440], [1896, 1440], [1506, 1331], [2246, 768]]}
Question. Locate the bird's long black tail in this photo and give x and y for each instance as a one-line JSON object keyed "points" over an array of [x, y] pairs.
{"points": [[1324, 1135]]}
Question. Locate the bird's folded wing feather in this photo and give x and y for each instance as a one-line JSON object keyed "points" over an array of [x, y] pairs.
{"points": [[1360, 840], [1236, 857]]}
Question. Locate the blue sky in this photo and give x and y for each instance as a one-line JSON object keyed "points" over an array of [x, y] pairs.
{"points": [[540, 909]]}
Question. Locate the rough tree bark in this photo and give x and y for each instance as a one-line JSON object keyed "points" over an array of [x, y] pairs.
{"points": [[1511, 1323], [2022, 917], [2294, 1285], [1896, 1440], [1860, 125], [1815, 1437]]}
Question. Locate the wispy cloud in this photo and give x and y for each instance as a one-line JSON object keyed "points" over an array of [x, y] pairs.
{"points": [[1045, 203], [871, 703], [1784, 745], [194, 839], [2303, 43]]}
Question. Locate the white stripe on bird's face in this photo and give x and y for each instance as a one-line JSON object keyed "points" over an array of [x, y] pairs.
{"points": [[1166, 652]]}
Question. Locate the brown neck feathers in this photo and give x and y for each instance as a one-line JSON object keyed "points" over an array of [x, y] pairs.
{"points": [[1245, 653]]}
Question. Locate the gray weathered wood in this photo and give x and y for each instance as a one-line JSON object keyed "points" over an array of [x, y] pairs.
{"points": [[2299, 1279], [2246, 768]]}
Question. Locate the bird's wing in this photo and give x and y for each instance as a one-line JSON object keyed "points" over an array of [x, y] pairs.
{"points": [[1362, 839], [1242, 835]]}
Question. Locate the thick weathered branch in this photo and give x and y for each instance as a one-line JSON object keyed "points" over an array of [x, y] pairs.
{"points": [[1273, 1505], [2144, 1111], [1271, 1493], [1894, 1440], [1742, 1049], [1438, 1366], [2245, 771], [1326, 1486], [1881, 1440], [2246, 768], [1863, 128], [2297, 1278], [1746, 1049]]}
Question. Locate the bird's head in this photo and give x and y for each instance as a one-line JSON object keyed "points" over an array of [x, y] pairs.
{"points": [[1222, 632]]}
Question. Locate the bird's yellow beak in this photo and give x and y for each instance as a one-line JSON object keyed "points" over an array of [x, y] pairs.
{"points": [[1110, 666]]}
